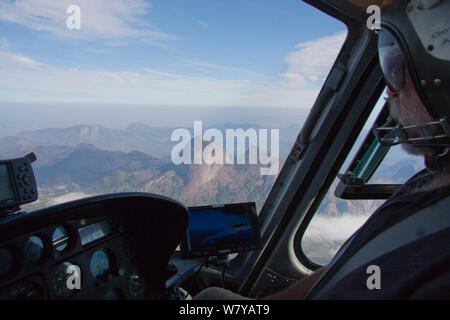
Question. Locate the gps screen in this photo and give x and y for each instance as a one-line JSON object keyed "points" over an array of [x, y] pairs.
{"points": [[215, 229]]}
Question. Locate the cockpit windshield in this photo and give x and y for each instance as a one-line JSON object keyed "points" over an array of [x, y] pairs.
{"points": [[198, 101]]}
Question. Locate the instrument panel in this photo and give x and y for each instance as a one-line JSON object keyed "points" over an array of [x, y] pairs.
{"points": [[97, 252], [109, 248]]}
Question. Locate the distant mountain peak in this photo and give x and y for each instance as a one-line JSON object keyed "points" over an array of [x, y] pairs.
{"points": [[86, 146], [137, 126], [15, 140], [235, 126]]}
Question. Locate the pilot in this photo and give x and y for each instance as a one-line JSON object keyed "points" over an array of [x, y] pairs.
{"points": [[402, 251]]}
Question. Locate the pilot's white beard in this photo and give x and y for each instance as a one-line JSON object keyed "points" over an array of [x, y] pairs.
{"points": [[394, 109]]}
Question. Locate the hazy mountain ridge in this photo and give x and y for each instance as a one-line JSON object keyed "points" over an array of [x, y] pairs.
{"points": [[155, 141], [137, 136], [90, 170]]}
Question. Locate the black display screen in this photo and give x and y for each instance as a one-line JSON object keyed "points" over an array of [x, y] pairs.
{"points": [[6, 190], [216, 230]]}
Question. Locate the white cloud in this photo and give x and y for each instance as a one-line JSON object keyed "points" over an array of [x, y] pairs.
{"points": [[277, 95], [240, 73], [4, 44], [306, 71], [330, 229], [297, 87], [112, 21], [7, 57], [102, 86], [66, 198], [99, 51], [203, 23], [313, 59]]}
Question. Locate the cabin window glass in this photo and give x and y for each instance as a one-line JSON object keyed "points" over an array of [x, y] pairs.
{"points": [[336, 219]]}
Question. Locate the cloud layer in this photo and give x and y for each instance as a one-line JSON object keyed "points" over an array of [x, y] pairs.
{"points": [[100, 19], [313, 59], [306, 70]]}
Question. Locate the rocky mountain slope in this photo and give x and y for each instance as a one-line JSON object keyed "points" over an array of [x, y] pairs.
{"points": [[89, 170]]}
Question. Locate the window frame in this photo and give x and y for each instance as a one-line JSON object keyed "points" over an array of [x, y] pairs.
{"points": [[298, 238], [363, 82]]}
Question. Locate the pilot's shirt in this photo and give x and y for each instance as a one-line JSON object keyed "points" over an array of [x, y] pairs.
{"points": [[417, 270]]}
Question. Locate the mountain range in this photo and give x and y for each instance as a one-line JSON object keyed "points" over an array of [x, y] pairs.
{"points": [[88, 170], [94, 159], [137, 136], [83, 160]]}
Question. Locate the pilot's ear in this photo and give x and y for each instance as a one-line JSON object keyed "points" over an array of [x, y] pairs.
{"points": [[366, 3]]}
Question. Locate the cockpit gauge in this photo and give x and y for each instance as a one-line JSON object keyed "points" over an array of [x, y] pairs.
{"points": [[34, 249], [60, 239], [136, 285], [100, 265], [7, 261], [63, 286]]}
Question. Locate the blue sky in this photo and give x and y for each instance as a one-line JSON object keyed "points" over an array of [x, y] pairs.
{"points": [[166, 52]]}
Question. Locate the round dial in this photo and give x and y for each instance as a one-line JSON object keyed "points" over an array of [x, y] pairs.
{"points": [[60, 239], [63, 286], [100, 264], [34, 249]]}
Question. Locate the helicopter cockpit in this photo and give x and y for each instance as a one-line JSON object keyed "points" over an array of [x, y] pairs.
{"points": [[253, 199]]}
